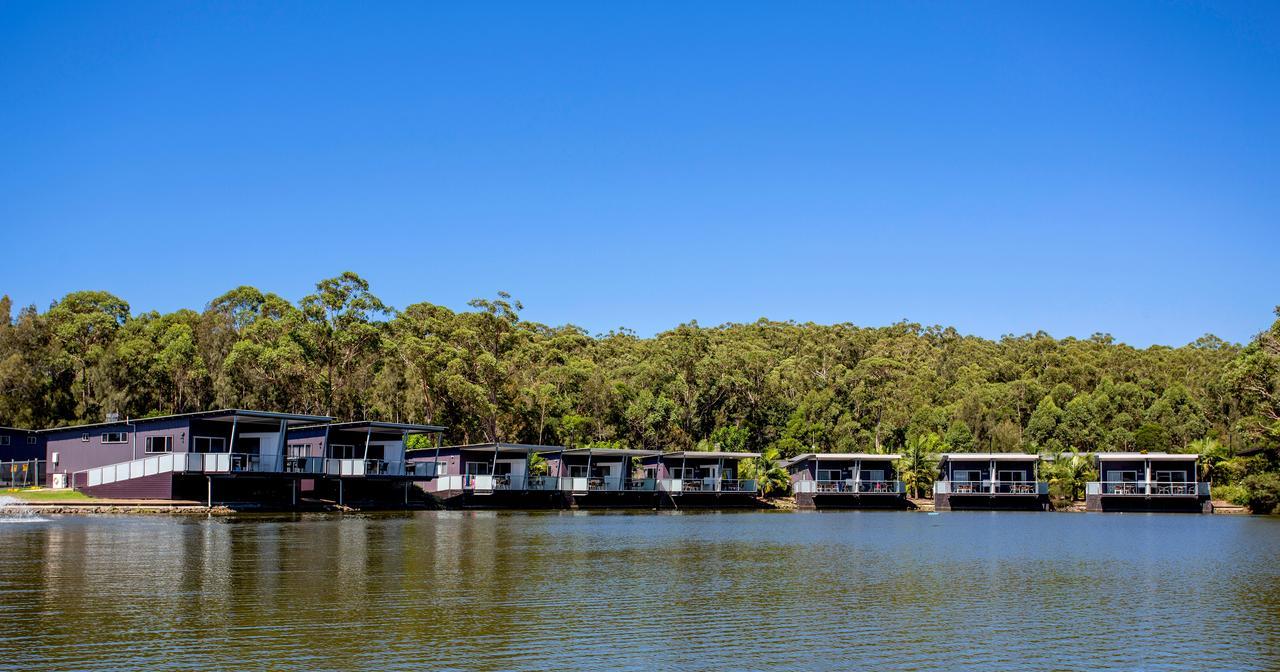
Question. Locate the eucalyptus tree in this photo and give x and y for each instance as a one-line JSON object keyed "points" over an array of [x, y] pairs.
{"points": [[340, 333], [85, 324]]}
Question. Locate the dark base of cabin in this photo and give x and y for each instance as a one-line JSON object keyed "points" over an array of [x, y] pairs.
{"points": [[808, 500], [953, 502], [1099, 503], [266, 494], [594, 500]]}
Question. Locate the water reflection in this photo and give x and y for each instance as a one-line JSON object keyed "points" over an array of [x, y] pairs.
{"points": [[485, 590]]}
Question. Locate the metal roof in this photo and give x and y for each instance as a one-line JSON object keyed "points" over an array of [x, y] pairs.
{"points": [[954, 457], [717, 454], [840, 457], [376, 424], [523, 448], [611, 452], [1144, 456], [221, 413]]}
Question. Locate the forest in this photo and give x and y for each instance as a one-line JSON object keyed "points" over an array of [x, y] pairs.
{"points": [[775, 387]]}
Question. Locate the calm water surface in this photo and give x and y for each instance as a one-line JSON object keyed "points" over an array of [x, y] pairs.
{"points": [[605, 591]]}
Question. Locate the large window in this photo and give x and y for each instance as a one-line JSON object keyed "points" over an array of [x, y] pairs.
{"points": [[479, 468], [825, 474], [114, 437], [1172, 477], [298, 450], [159, 444], [208, 444], [1012, 476], [4, 440], [342, 451], [966, 475], [872, 474]]}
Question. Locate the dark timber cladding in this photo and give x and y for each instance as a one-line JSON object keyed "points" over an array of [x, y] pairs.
{"points": [[846, 480], [174, 456], [990, 481], [1148, 482], [491, 475]]}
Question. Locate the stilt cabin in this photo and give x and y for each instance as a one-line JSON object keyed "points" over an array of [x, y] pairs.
{"points": [[1148, 482], [990, 481], [846, 480]]}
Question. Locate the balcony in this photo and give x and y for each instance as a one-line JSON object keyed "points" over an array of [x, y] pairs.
{"points": [[991, 488], [1148, 489], [850, 487], [707, 485]]}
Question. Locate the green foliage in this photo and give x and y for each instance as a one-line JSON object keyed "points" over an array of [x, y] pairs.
{"points": [[537, 465], [1262, 492], [786, 388], [1068, 473], [918, 467], [771, 478]]}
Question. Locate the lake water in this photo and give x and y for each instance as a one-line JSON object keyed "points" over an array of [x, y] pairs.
{"points": [[605, 591]]}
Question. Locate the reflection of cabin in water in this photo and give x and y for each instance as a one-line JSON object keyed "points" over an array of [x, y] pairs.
{"points": [[1147, 482], [846, 480], [990, 481]]}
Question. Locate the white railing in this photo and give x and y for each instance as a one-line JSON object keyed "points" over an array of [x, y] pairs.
{"points": [[847, 486], [696, 485], [991, 488], [237, 463], [1148, 488]]}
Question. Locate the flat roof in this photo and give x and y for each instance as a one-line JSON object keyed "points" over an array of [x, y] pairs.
{"points": [[204, 415], [376, 424], [15, 429], [523, 448], [1144, 456], [989, 456], [841, 457], [717, 454], [611, 452]]}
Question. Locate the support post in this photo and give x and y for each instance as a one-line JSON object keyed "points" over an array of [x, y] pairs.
{"points": [[209, 491], [295, 491], [340, 493]]}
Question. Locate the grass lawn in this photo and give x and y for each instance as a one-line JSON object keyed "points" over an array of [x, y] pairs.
{"points": [[45, 495]]}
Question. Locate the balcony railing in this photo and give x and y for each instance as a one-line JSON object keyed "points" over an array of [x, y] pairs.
{"points": [[1148, 489], [705, 485], [991, 488], [849, 486]]}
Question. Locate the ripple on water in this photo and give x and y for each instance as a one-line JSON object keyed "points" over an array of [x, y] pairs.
{"points": [[886, 591]]}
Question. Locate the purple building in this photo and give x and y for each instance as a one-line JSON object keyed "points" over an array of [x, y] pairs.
{"points": [[21, 457], [491, 474], [846, 480], [988, 481], [231, 456], [1148, 482]]}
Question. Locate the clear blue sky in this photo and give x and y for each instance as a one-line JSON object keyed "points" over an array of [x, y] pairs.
{"points": [[999, 167]]}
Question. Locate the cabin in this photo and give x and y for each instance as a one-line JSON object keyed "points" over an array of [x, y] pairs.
{"points": [[846, 480], [363, 460], [1148, 482], [491, 474], [179, 457], [21, 458], [604, 476], [988, 481], [701, 476]]}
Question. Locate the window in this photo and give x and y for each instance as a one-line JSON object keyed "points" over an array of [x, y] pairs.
{"points": [[1122, 476], [872, 474], [297, 450], [1171, 477], [114, 437], [1012, 476], [578, 471], [442, 468], [4, 440], [208, 444], [830, 474], [84, 437], [967, 475], [31, 440], [478, 468], [159, 444], [342, 451]]}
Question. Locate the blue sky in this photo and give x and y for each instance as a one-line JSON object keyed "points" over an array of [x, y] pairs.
{"points": [[999, 167]]}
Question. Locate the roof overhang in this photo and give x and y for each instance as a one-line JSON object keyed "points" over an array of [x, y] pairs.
{"points": [[290, 419], [987, 457], [611, 452], [1147, 456], [708, 454], [376, 425]]}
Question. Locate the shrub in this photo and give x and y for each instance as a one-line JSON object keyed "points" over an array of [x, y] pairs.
{"points": [[1262, 492]]}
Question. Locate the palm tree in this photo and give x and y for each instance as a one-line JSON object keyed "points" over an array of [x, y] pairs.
{"points": [[1212, 454], [918, 468], [1068, 473], [771, 479]]}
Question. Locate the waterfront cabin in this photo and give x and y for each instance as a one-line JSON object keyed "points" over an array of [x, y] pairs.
{"points": [[1148, 482], [21, 458], [610, 476], [701, 476], [846, 480], [358, 460], [990, 481], [179, 456], [491, 474]]}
